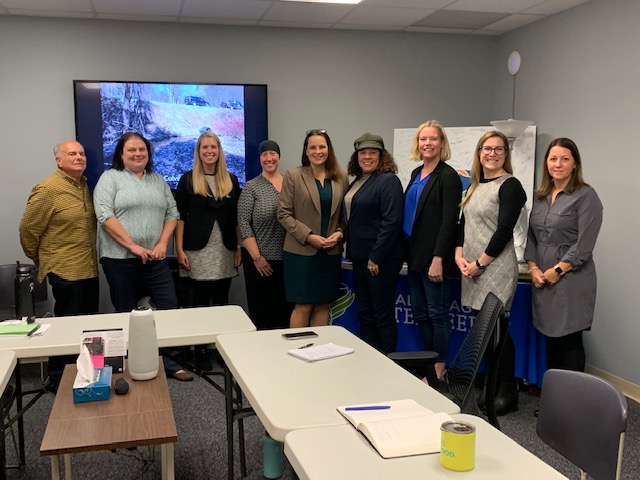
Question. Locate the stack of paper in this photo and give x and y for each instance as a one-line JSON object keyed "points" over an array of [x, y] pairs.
{"points": [[398, 428], [18, 329], [320, 352]]}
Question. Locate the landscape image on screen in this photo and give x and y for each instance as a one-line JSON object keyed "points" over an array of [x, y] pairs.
{"points": [[172, 117]]}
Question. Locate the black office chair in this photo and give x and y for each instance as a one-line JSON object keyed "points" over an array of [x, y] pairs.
{"points": [[584, 418], [7, 289], [459, 380]]}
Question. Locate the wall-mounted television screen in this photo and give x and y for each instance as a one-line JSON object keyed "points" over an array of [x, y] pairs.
{"points": [[171, 116]]}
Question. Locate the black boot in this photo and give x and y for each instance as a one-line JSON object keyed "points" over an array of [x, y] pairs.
{"points": [[507, 398]]}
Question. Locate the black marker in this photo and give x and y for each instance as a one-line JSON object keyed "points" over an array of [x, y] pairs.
{"points": [[306, 346]]}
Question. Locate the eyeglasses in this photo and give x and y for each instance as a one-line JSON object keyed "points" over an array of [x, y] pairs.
{"points": [[316, 132], [498, 150]]}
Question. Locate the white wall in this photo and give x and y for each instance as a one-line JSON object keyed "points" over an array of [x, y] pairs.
{"points": [[346, 82], [579, 73]]}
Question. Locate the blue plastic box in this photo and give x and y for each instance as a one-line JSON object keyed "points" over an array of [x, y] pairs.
{"points": [[100, 390]]}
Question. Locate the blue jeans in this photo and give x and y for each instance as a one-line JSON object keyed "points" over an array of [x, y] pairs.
{"points": [[430, 303], [130, 280]]}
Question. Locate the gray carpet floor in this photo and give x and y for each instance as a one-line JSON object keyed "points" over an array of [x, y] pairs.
{"points": [[200, 452]]}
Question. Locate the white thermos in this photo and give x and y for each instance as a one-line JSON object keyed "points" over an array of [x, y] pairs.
{"points": [[143, 344]]}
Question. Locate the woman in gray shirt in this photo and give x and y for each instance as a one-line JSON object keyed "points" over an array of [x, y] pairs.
{"points": [[563, 228]]}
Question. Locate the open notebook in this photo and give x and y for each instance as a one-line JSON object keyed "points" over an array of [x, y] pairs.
{"points": [[320, 352], [406, 428]]}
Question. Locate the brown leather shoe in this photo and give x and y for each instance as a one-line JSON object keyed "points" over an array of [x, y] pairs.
{"points": [[182, 376]]}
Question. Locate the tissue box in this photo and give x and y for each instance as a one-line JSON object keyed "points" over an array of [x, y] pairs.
{"points": [[100, 390]]}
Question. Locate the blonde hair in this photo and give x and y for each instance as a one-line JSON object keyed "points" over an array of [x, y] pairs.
{"points": [[477, 173], [445, 152], [222, 179]]}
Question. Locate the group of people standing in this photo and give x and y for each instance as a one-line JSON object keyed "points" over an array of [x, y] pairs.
{"points": [[441, 234], [288, 231]]}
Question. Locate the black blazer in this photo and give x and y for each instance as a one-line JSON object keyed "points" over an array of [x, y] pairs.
{"points": [[199, 214], [436, 222], [374, 228]]}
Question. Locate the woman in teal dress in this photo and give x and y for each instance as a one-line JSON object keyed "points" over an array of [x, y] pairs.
{"points": [[309, 210]]}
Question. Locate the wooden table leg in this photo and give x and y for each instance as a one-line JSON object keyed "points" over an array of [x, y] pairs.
{"points": [[55, 467], [67, 466], [167, 461]]}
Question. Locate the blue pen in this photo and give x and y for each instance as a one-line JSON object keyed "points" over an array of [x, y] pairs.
{"points": [[370, 407]]}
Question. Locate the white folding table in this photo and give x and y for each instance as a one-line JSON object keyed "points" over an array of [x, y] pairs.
{"points": [[342, 453]]}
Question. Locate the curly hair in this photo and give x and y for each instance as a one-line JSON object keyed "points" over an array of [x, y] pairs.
{"points": [[386, 165]]}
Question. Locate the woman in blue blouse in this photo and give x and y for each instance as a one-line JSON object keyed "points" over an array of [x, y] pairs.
{"points": [[431, 210]]}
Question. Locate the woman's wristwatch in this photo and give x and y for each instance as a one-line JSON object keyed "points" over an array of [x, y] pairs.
{"points": [[479, 265], [559, 270]]}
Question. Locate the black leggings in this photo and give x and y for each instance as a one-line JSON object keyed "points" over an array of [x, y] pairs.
{"points": [[205, 293], [566, 353]]}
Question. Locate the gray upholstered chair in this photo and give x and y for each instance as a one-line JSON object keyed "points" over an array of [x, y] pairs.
{"points": [[584, 418]]}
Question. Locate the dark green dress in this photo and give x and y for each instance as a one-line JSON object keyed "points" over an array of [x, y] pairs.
{"points": [[314, 279]]}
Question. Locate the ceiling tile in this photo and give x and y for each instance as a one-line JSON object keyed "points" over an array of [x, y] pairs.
{"points": [[407, 3], [46, 5], [384, 16], [507, 6], [274, 23], [248, 9], [308, 13], [514, 21], [377, 28], [416, 29], [137, 18], [555, 6], [456, 19], [50, 14], [218, 21], [139, 7]]}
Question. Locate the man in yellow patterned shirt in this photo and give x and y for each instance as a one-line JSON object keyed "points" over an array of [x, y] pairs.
{"points": [[58, 232]]}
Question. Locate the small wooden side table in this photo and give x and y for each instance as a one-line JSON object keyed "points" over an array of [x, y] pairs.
{"points": [[144, 416]]}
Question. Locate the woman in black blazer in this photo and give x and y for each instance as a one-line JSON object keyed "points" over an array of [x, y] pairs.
{"points": [[373, 207], [207, 235], [431, 211]]}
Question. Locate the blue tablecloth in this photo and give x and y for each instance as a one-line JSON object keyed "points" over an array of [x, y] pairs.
{"points": [[529, 343]]}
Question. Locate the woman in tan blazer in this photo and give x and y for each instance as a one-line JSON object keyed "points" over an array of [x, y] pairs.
{"points": [[309, 210]]}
